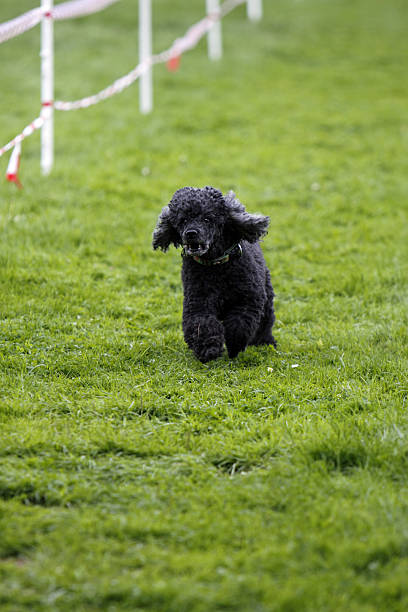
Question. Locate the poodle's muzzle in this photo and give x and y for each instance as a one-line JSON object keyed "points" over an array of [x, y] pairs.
{"points": [[194, 242]]}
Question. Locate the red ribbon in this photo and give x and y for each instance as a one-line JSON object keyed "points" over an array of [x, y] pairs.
{"points": [[13, 178], [174, 63]]}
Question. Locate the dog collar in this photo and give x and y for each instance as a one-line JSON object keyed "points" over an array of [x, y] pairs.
{"points": [[224, 258]]}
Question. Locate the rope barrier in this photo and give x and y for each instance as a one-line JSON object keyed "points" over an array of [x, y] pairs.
{"points": [[14, 27], [79, 8], [66, 10], [28, 130], [179, 46], [76, 8]]}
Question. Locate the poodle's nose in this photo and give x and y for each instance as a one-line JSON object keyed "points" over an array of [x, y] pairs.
{"points": [[191, 234]]}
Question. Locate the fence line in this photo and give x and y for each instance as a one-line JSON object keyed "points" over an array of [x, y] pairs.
{"points": [[75, 8], [179, 46]]}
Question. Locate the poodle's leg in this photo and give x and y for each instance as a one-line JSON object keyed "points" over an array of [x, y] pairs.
{"points": [[240, 325], [204, 334], [264, 332]]}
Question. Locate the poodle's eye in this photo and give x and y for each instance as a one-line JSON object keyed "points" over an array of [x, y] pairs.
{"points": [[206, 220]]}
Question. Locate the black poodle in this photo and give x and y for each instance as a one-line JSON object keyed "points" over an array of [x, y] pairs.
{"points": [[228, 296]]}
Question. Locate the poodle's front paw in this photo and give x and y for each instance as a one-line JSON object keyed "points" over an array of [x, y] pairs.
{"points": [[234, 348], [236, 340], [210, 352], [205, 336]]}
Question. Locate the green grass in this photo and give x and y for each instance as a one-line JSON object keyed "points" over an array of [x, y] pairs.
{"points": [[132, 477]]}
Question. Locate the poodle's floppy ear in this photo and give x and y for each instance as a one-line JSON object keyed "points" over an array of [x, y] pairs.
{"points": [[164, 234], [243, 225]]}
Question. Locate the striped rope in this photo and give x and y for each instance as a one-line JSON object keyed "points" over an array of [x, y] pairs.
{"points": [[28, 130], [79, 8], [14, 27], [66, 10]]}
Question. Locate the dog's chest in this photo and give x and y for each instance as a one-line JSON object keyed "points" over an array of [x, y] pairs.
{"points": [[221, 283]]}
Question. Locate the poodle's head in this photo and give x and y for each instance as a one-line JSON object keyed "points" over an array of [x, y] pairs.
{"points": [[206, 223]]}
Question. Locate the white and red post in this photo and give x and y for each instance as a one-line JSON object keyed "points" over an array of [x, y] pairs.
{"points": [[214, 38], [254, 9], [47, 86], [145, 53]]}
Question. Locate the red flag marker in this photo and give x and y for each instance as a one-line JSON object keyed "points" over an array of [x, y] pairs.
{"points": [[13, 166], [174, 63]]}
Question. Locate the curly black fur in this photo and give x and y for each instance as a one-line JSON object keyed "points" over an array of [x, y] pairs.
{"points": [[230, 301]]}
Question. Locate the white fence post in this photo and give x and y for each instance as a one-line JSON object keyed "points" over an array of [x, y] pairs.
{"points": [[47, 86], [254, 9], [214, 34], [145, 52]]}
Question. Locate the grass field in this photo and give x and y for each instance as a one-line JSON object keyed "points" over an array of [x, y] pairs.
{"points": [[132, 477]]}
